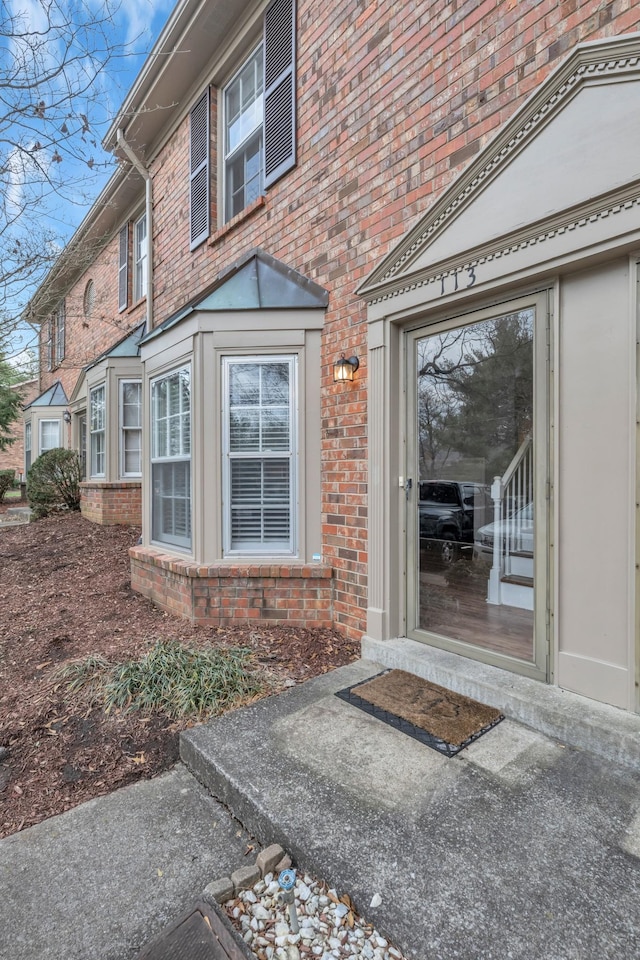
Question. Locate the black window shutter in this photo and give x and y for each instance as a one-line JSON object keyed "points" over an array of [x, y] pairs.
{"points": [[123, 262], [279, 89], [199, 170]]}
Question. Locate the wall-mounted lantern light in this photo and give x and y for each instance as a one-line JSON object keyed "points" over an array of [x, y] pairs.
{"points": [[66, 416], [344, 368]]}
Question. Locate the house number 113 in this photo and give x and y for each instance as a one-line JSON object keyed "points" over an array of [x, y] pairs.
{"points": [[470, 278]]}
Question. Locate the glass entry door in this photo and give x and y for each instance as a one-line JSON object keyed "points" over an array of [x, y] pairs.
{"points": [[473, 506]]}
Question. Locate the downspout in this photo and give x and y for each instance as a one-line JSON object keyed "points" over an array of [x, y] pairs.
{"points": [[144, 173]]}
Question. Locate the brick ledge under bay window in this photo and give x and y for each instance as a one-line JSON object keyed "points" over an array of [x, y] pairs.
{"points": [[223, 593]]}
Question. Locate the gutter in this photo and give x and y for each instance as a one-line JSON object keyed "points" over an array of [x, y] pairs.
{"points": [[144, 173]]}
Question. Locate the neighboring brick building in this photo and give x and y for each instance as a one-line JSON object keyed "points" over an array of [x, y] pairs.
{"points": [[13, 457], [296, 146]]}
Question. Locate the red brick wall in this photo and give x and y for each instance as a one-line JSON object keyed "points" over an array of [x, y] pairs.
{"points": [[112, 503], [292, 594], [393, 101], [86, 338]]}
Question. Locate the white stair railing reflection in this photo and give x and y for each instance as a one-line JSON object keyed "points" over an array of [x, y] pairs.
{"points": [[512, 496]]}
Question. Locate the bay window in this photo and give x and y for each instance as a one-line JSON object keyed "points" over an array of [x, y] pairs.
{"points": [[97, 420], [49, 435], [27, 447], [171, 457], [130, 428], [260, 455]]}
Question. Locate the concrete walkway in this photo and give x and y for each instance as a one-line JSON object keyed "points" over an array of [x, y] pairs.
{"points": [[99, 882], [519, 848]]}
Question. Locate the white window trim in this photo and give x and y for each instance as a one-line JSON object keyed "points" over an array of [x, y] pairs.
{"points": [[41, 423], [59, 333], [184, 543], [124, 429], [28, 433], [292, 551], [95, 433], [258, 128], [140, 265], [123, 268]]}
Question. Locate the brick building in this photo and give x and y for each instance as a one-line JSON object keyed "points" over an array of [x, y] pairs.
{"points": [[13, 457], [382, 254]]}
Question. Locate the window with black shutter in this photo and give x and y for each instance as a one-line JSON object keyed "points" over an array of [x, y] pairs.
{"points": [[199, 171], [259, 110]]}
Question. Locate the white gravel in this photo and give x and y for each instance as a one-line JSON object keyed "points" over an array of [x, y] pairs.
{"points": [[329, 927]]}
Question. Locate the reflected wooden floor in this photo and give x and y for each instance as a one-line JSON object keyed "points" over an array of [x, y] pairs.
{"points": [[462, 613]]}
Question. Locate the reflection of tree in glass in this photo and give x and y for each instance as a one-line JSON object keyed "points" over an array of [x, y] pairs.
{"points": [[475, 393]]}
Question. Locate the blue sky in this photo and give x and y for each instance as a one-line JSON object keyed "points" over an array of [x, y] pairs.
{"points": [[134, 27]]}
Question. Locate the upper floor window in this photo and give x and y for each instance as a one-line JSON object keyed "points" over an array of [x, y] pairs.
{"points": [[89, 299], [259, 124], [243, 126], [60, 319], [140, 257], [55, 334], [123, 268]]}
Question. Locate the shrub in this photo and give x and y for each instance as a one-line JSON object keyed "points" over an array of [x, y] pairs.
{"points": [[54, 481], [7, 478]]}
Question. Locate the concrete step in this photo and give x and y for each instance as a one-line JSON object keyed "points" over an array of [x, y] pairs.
{"points": [[396, 824], [597, 727]]}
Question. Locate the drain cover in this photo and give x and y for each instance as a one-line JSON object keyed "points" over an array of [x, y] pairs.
{"points": [[200, 935]]}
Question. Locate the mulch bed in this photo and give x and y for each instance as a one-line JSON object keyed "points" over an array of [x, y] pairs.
{"points": [[64, 594]]}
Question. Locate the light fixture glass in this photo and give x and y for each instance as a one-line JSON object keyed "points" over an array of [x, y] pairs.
{"points": [[344, 368]]}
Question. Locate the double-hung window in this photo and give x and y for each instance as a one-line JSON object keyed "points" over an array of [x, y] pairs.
{"points": [[259, 124], [59, 328], [48, 343], [123, 268], [260, 455], [171, 457], [49, 435], [97, 421], [130, 428], [243, 126], [140, 257]]}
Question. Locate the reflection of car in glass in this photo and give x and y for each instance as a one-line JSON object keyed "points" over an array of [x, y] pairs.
{"points": [[450, 511], [516, 533]]}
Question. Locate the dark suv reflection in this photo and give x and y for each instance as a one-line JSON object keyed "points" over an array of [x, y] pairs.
{"points": [[450, 512]]}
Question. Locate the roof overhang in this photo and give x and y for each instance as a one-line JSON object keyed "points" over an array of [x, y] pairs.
{"points": [[196, 39]]}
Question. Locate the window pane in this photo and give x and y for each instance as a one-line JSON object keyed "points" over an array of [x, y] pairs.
{"points": [[172, 503], [171, 433], [275, 383], [244, 384], [49, 435], [244, 430], [275, 429]]}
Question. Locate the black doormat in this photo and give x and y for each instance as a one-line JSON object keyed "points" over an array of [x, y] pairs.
{"points": [[201, 934], [440, 718]]}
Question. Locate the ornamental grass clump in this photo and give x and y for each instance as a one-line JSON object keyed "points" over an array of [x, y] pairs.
{"points": [[173, 679]]}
